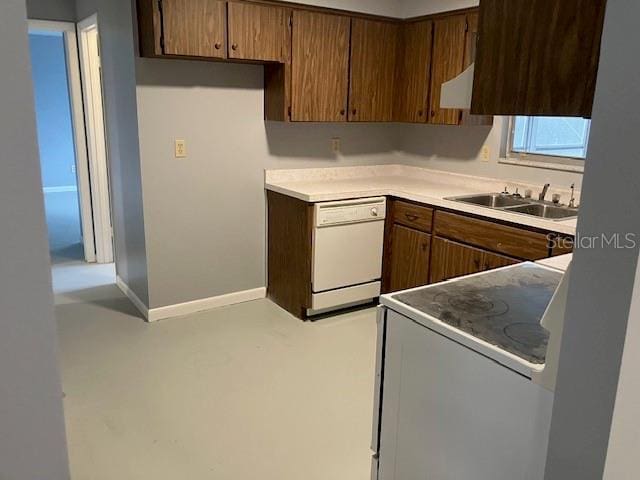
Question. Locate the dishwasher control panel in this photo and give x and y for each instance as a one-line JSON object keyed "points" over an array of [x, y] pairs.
{"points": [[350, 211]]}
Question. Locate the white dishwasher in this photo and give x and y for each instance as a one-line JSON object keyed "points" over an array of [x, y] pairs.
{"points": [[348, 238]]}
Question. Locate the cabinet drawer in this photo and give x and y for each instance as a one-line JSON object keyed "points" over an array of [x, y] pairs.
{"points": [[512, 241], [411, 215]]}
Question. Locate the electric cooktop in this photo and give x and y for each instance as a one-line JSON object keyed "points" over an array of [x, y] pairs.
{"points": [[502, 307]]}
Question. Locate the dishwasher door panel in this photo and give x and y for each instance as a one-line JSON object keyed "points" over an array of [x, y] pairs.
{"points": [[347, 254]]}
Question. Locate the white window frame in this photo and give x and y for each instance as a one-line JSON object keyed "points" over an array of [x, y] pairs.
{"points": [[552, 162]]}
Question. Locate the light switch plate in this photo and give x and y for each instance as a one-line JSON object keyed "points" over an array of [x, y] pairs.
{"points": [[180, 148]]}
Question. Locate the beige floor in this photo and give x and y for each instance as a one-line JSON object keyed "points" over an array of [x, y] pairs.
{"points": [[243, 392]]}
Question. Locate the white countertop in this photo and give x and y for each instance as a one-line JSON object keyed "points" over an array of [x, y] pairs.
{"points": [[410, 183], [561, 262]]}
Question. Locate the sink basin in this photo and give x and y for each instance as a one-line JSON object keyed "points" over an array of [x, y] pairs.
{"points": [[492, 200], [525, 206], [545, 211]]}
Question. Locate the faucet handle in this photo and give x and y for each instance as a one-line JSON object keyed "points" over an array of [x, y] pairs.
{"points": [[505, 191]]}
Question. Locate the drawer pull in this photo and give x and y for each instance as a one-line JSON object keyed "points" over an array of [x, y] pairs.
{"points": [[411, 217]]}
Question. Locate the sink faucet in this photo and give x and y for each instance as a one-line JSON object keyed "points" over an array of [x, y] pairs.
{"points": [[572, 202], [543, 193]]}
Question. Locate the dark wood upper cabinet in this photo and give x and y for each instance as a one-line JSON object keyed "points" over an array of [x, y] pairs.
{"points": [[409, 259], [447, 63], [537, 57], [413, 72], [259, 32], [470, 49], [320, 66], [193, 28], [372, 72]]}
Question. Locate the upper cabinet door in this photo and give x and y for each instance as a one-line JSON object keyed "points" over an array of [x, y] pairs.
{"points": [[194, 28], [413, 68], [259, 32], [320, 67], [448, 60], [373, 62], [537, 57], [469, 58]]}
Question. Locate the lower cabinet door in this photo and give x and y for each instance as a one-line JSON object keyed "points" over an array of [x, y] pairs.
{"points": [[493, 260], [452, 259], [409, 260]]}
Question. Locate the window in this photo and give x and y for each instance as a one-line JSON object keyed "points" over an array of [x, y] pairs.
{"points": [[554, 142]]}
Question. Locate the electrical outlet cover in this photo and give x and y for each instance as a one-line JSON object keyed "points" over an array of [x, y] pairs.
{"points": [[180, 148]]}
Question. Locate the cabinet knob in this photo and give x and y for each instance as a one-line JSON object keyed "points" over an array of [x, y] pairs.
{"points": [[217, 46], [420, 113], [342, 112], [433, 113], [353, 111], [234, 46]]}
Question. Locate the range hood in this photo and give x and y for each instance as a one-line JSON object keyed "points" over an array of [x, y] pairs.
{"points": [[456, 93]]}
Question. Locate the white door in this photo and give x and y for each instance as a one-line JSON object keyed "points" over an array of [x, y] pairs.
{"points": [[346, 255]]}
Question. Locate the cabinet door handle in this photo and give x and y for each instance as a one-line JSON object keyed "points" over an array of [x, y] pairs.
{"points": [[234, 46], [217, 46], [433, 113], [342, 112], [424, 247], [353, 111], [411, 217], [476, 262]]}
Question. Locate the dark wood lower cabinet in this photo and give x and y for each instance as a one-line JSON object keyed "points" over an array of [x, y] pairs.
{"points": [[452, 259], [409, 258]]}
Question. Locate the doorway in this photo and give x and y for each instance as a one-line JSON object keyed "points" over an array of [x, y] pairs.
{"points": [[70, 127]]}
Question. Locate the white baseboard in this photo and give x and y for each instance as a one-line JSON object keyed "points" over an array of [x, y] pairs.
{"points": [[186, 308], [139, 304], [65, 188], [194, 306]]}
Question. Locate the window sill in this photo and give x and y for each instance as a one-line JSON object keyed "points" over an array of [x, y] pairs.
{"points": [[546, 164]]}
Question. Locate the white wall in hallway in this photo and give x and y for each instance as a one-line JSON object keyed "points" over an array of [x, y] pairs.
{"points": [[32, 430]]}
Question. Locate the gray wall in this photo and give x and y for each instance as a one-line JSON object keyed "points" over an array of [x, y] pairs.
{"points": [[621, 461], [458, 149], [205, 214], [415, 8], [32, 438], [602, 279], [63, 10], [118, 76]]}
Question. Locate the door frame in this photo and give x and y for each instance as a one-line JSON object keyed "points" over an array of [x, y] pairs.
{"points": [[91, 74], [68, 30]]}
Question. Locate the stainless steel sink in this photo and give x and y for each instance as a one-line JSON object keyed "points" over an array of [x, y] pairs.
{"points": [[492, 200], [545, 211], [516, 204]]}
